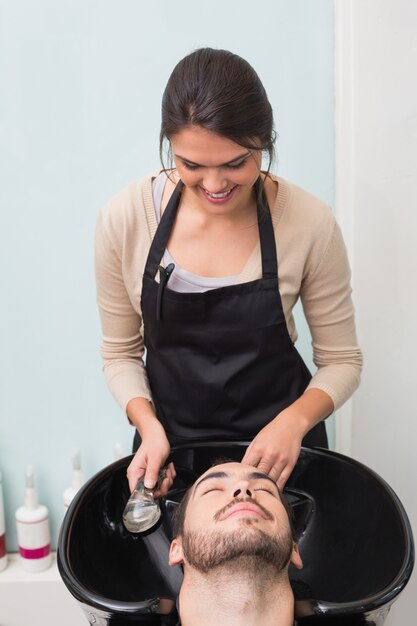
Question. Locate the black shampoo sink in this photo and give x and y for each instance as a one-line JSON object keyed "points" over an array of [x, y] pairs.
{"points": [[353, 533]]}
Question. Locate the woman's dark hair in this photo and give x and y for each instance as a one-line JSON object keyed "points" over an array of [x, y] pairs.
{"points": [[219, 91]]}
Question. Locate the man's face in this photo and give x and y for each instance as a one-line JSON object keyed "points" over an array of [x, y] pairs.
{"points": [[235, 512]]}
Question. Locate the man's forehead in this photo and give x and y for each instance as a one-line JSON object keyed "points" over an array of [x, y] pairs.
{"points": [[230, 467]]}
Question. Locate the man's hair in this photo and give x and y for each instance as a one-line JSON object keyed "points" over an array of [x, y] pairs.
{"points": [[178, 516]]}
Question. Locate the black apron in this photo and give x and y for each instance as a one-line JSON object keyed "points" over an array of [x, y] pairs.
{"points": [[221, 364]]}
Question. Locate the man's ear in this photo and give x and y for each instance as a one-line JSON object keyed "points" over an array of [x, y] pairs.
{"points": [[295, 557], [175, 552]]}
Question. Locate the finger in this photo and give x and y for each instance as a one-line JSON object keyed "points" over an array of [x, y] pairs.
{"points": [[170, 471], [163, 487], [151, 475], [168, 478], [166, 482], [251, 457], [285, 474], [171, 468], [134, 474], [275, 473], [266, 465]]}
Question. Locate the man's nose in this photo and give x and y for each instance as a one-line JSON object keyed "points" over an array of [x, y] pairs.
{"points": [[243, 491]]}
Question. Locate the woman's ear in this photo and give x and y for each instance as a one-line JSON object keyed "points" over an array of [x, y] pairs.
{"points": [[176, 555], [295, 557]]}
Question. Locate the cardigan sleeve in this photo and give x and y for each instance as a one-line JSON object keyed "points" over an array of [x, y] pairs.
{"points": [[327, 303], [122, 347]]}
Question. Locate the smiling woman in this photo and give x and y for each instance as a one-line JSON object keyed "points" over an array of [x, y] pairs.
{"points": [[202, 265]]}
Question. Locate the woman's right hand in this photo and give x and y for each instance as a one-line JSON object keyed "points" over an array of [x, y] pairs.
{"points": [[150, 458]]}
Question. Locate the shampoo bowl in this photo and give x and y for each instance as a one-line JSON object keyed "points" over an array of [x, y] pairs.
{"points": [[353, 533]]}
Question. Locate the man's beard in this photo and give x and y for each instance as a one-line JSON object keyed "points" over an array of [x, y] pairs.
{"points": [[247, 547]]}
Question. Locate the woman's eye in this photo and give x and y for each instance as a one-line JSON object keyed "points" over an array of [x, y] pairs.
{"points": [[235, 166], [231, 166]]}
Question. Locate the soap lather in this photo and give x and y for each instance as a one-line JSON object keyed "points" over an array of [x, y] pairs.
{"points": [[142, 511]]}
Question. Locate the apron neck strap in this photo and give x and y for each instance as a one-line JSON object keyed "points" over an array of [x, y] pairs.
{"points": [[266, 232], [160, 240]]}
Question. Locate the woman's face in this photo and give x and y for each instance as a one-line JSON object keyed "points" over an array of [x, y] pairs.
{"points": [[217, 171]]}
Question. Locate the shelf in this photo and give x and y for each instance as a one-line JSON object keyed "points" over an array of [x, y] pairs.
{"points": [[38, 598], [14, 571]]}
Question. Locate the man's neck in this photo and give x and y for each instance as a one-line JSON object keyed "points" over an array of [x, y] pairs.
{"points": [[236, 599]]}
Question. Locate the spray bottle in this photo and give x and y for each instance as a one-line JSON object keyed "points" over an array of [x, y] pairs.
{"points": [[77, 479], [33, 534], [3, 553]]}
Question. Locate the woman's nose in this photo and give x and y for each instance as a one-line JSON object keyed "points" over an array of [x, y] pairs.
{"points": [[214, 181]]}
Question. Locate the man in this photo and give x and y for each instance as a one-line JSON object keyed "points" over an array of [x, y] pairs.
{"points": [[233, 537]]}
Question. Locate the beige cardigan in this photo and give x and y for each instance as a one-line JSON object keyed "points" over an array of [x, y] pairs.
{"points": [[312, 265]]}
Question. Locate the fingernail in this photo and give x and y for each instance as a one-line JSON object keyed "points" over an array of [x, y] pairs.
{"points": [[149, 484]]}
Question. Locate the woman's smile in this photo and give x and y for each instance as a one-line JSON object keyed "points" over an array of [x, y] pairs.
{"points": [[221, 197]]}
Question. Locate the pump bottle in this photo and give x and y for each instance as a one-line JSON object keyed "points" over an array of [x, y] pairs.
{"points": [[3, 553], [33, 535], [77, 480]]}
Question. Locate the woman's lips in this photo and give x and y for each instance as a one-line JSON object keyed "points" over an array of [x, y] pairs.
{"points": [[219, 198]]}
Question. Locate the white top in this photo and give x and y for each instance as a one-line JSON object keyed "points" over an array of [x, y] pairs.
{"points": [[182, 280]]}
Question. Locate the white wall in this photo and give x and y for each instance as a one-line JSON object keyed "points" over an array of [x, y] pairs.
{"points": [[80, 89], [376, 107]]}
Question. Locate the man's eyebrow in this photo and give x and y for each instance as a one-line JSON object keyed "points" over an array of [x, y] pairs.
{"points": [[238, 158], [262, 476], [223, 475], [211, 475]]}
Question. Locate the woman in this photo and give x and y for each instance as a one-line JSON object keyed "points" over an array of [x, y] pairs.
{"points": [[202, 265]]}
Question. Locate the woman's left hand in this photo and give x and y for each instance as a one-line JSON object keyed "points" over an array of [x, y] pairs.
{"points": [[276, 448]]}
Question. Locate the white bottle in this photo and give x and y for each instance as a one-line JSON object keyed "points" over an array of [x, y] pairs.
{"points": [[33, 536], [3, 553], [77, 480]]}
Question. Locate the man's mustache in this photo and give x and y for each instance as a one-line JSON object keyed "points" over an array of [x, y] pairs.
{"points": [[235, 501]]}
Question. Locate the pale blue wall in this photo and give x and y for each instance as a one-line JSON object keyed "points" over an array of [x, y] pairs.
{"points": [[80, 90]]}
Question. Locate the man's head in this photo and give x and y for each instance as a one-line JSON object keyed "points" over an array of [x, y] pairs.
{"points": [[233, 515]]}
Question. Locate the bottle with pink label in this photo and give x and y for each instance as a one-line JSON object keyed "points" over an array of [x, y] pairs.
{"points": [[3, 553], [33, 536]]}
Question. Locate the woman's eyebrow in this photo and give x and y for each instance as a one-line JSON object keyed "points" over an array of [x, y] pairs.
{"points": [[238, 158]]}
